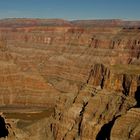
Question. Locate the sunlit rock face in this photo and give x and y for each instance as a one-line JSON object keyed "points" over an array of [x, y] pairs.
{"points": [[70, 80]]}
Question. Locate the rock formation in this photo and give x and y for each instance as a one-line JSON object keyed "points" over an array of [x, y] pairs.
{"points": [[86, 75]]}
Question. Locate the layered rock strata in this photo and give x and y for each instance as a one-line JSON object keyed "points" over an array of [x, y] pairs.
{"points": [[89, 75]]}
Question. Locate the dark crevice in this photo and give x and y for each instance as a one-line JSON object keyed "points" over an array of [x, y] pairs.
{"points": [[3, 130], [130, 133], [51, 126], [102, 82], [90, 74], [79, 89], [137, 96], [126, 84], [68, 132], [81, 117], [123, 101], [104, 133]]}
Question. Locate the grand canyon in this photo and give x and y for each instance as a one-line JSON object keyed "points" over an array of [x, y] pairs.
{"points": [[69, 80]]}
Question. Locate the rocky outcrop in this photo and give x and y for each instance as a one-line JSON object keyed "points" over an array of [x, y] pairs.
{"points": [[128, 126], [94, 110], [103, 77]]}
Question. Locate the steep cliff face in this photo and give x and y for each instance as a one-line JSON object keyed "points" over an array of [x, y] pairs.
{"points": [[96, 107], [110, 79], [90, 76]]}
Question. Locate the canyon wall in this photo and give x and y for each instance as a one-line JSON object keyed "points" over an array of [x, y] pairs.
{"points": [[90, 75]]}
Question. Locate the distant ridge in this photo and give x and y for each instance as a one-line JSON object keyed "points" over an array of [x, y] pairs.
{"points": [[25, 22], [106, 22], [29, 22]]}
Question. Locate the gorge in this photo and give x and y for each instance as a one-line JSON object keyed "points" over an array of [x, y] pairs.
{"points": [[70, 80]]}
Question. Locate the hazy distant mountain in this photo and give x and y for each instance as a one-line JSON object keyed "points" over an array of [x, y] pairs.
{"points": [[20, 22]]}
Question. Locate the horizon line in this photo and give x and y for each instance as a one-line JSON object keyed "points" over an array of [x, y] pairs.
{"points": [[66, 19]]}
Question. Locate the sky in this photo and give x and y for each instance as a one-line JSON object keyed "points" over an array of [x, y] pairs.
{"points": [[71, 9]]}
